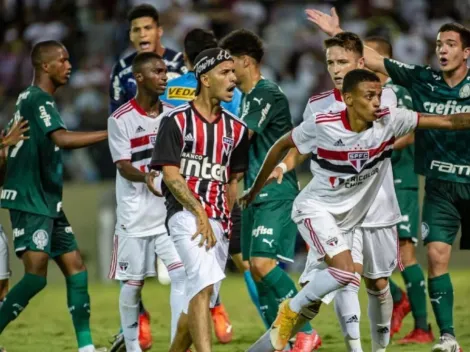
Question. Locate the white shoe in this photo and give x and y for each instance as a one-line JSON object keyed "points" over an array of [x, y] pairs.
{"points": [[447, 343], [162, 272]]}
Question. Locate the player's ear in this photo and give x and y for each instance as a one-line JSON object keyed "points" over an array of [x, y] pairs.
{"points": [[466, 53], [139, 77], [348, 100], [205, 80], [160, 31], [361, 63]]}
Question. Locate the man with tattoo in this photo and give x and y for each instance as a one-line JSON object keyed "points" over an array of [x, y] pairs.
{"points": [[202, 150]]}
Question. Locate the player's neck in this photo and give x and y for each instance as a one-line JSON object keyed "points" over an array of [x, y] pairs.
{"points": [[355, 122], [209, 108], [151, 105], [453, 78], [252, 78], [45, 83], [160, 50]]}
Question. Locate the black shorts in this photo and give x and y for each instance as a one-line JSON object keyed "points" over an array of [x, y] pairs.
{"points": [[235, 237]]}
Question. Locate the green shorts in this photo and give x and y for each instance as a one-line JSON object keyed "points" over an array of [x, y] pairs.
{"points": [[409, 207], [268, 231], [40, 233], [446, 206]]}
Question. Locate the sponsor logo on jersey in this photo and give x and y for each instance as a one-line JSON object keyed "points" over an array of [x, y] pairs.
{"points": [[140, 129], [264, 114], [45, 117], [258, 100], [189, 138], [339, 143], [9, 194], [402, 64], [449, 168], [269, 242], [450, 107], [245, 110], [68, 229], [424, 230], [353, 181], [336, 181], [199, 166], [18, 232], [181, 93], [261, 230], [465, 91], [40, 239], [22, 96], [358, 159]]}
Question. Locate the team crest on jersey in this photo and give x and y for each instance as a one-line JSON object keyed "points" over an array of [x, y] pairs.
{"points": [[332, 242], [40, 239], [465, 91], [358, 159], [227, 145], [123, 266], [153, 139]]}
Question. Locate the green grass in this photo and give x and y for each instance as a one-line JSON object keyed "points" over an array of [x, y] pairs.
{"points": [[46, 325]]}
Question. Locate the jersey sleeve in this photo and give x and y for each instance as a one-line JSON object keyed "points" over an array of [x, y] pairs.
{"points": [[239, 157], [403, 74], [304, 136], [119, 143], [117, 93], [168, 146], [262, 110], [403, 121], [404, 98], [308, 113], [46, 114]]}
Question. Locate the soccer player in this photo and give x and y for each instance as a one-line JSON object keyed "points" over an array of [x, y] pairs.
{"points": [[406, 187], [447, 192], [268, 233], [330, 206], [140, 226], [33, 194], [202, 151], [145, 34], [180, 91]]}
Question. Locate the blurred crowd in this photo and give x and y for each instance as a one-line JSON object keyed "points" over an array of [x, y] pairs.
{"points": [[96, 35]]}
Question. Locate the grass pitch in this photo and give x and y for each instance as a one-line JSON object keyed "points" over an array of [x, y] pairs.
{"points": [[45, 326]]}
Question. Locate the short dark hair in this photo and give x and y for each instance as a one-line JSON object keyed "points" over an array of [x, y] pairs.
{"points": [[354, 77], [243, 42], [383, 43], [142, 58], [144, 10], [346, 40], [460, 29], [41, 48], [196, 41]]}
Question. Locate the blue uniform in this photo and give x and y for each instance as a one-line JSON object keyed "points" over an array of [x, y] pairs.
{"points": [[122, 87], [182, 89]]}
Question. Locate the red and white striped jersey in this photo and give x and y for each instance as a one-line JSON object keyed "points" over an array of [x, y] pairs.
{"points": [[349, 167], [131, 136], [206, 153], [385, 210]]}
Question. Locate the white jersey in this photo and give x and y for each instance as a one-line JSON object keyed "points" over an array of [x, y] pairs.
{"points": [[132, 135], [349, 167], [385, 210]]}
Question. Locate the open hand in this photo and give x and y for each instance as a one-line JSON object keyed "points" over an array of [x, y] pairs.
{"points": [[15, 134], [150, 182], [327, 23], [277, 174], [204, 229]]}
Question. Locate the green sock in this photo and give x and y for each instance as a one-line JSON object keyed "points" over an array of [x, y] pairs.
{"points": [[19, 296], [78, 302], [282, 286], [416, 288], [267, 303], [441, 294], [395, 291]]}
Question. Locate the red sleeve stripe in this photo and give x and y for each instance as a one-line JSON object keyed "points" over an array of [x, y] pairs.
{"points": [[122, 110], [328, 120], [320, 96]]}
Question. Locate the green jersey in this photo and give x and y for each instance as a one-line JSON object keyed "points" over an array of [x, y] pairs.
{"points": [[402, 160], [438, 154], [265, 110], [33, 180]]}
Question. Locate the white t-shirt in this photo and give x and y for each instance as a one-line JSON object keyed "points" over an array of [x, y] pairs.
{"points": [[385, 210], [132, 134], [349, 167]]}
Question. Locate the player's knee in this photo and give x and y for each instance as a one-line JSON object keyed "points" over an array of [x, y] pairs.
{"points": [[260, 267], [344, 262], [376, 285], [438, 257], [131, 292]]}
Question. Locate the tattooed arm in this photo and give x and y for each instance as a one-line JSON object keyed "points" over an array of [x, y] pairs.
{"points": [[448, 122], [179, 188]]}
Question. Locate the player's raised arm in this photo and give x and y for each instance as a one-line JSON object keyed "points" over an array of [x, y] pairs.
{"points": [[15, 134], [292, 159], [444, 122], [73, 140], [329, 24]]}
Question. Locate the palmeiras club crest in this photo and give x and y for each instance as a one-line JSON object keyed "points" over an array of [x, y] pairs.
{"points": [[358, 159]]}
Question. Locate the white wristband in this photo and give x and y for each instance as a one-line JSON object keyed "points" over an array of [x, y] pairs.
{"points": [[283, 166]]}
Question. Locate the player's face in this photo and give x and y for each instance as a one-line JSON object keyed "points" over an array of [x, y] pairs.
{"points": [[222, 81], [145, 34], [450, 51], [365, 100], [239, 67], [339, 62], [59, 67], [154, 76]]}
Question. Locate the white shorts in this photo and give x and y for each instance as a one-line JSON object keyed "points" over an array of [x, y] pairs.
{"points": [[4, 257], [133, 258], [166, 251], [203, 267]]}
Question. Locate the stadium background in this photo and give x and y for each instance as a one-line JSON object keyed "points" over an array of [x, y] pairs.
{"points": [[96, 35]]}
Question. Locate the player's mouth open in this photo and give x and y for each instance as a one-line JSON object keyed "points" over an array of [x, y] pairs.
{"points": [[144, 45], [231, 88], [443, 61], [338, 80]]}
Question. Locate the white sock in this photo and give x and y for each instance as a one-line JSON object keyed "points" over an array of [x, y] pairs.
{"points": [[380, 314], [348, 312], [322, 283], [89, 348], [177, 295], [129, 309]]}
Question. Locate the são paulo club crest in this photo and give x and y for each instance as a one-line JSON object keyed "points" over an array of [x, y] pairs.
{"points": [[358, 159], [227, 143]]}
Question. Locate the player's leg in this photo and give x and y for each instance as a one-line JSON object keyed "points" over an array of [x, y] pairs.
{"points": [[166, 251], [205, 271], [4, 266], [32, 245], [441, 221]]}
